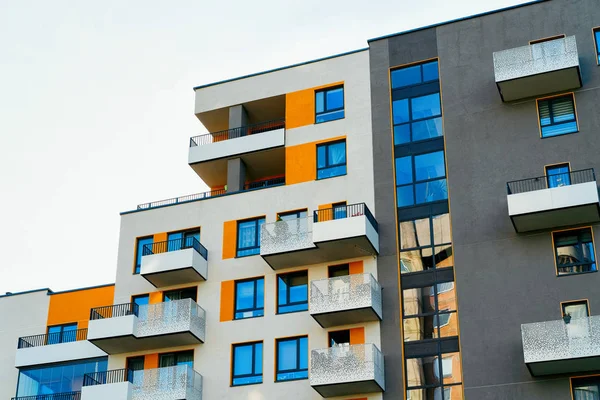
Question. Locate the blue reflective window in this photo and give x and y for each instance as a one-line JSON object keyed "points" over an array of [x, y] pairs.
{"points": [[429, 166], [139, 251], [426, 129], [250, 298], [292, 292], [558, 175], [415, 75], [140, 300], [430, 72], [248, 232], [339, 210], [62, 333], [421, 179], [329, 104], [597, 41], [182, 240], [425, 106], [292, 358], [557, 116], [574, 251], [247, 364], [331, 159], [404, 172], [400, 111]]}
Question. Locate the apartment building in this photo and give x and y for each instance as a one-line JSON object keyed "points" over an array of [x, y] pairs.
{"points": [[413, 220]]}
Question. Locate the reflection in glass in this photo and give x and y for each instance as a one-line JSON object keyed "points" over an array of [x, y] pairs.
{"points": [[417, 260], [400, 111], [425, 106], [441, 229], [421, 371], [425, 129], [404, 172], [419, 328], [415, 233], [431, 191], [576, 310], [451, 367], [406, 76], [443, 256], [429, 166], [405, 196], [558, 176], [418, 301], [574, 251], [447, 324]]}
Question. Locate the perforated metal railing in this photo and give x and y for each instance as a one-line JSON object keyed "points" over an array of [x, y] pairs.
{"points": [[286, 235], [348, 292]]}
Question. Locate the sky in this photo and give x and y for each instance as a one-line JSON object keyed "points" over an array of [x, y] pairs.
{"points": [[96, 107]]}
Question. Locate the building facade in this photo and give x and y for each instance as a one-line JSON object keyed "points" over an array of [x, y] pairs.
{"points": [[413, 220]]}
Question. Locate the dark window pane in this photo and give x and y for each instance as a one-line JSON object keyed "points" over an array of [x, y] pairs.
{"points": [[430, 165], [400, 111], [406, 77], [426, 106], [430, 71]]}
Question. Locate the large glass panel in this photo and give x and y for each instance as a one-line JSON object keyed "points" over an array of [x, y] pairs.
{"points": [[402, 134], [139, 251], [430, 71], [249, 298], [400, 111], [422, 371], [292, 359], [247, 368], [441, 229], [557, 116], [292, 292], [404, 173], [335, 98], [431, 191], [406, 76], [405, 196], [419, 328], [417, 260], [426, 106], [329, 105], [418, 301], [416, 233], [430, 165], [249, 237], [331, 160], [426, 129]]}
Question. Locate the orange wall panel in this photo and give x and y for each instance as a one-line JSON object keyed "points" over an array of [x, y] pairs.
{"points": [[299, 108], [357, 335], [151, 361], [229, 239], [356, 267], [75, 306], [159, 237], [227, 300], [325, 212], [300, 163], [155, 297]]}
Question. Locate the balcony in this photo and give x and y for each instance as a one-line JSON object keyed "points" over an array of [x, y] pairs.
{"points": [[55, 348], [179, 382], [57, 396], [347, 370], [174, 262], [555, 347], [537, 69], [260, 146], [344, 300], [343, 233], [550, 202], [126, 327]]}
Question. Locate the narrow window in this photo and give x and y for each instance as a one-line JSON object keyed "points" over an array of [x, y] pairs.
{"points": [[62, 333], [135, 366], [339, 338], [248, 243], [597, 43], [181, 294], [175, 359], [292, 215], [575, 309], [587, 388], [329, 104], [139, 251], [139, 300], [292, 292], [247, 366], [182, 239], [292, 358], [339, 210], [558, 175], [338, 270], [421, 179], [331, 159], [249, 298], [574, 251], [557, 115]]}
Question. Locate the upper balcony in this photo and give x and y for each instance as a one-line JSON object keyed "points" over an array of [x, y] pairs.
{"points": [[333, 234], [556, 347], [549, 202], [537, 69], [55, 396], [174, 262], [344, 300], [347, 370], [55, 348], [128, 327], [179, 382]]}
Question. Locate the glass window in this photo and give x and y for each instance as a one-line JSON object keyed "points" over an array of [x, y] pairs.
{"points": [[292, 358], [140, 300], [428, 378], [134, 367], [248, 232], [178, 358], [247, 364], [587, 388], [250, 298], [414, 75], [574, 251], [340, 210], [421, 179], [558, 175], [329, 104], [292, 215], [139, 251], [331, 159], [557, 116], [292, 292], [338, 270], [339, 338], [183, 239], [180, 294], [62, 333], [575, 309], [597, 42]]}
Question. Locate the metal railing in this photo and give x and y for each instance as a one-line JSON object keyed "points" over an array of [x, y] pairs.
{"points": [[182, 199], [52, 338], [265, 183], [549, 181], [348, 211], [57, 396], [175, 245], [107, 377], [235, 133], [118, 310]]}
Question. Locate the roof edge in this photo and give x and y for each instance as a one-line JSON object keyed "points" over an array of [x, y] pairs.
{"points": [[10, 294], [50, 292], [82, 288]]}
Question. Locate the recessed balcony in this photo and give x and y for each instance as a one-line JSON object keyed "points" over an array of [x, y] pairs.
{"points": [[55, 348], [556, 347], [347, 370], [344, 300], [174, 262], [537, 69], [127, 327], [332, 234], [549, 202]]}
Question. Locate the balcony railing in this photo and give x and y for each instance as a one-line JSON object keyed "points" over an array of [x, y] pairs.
{"points": [[265, 183], [286, 235], [175, 245], [351, 210], [182, 199], [108, 377], [341, 293], [178, 382], [57, 396], [542, 182], [52, 338], [117, 310], [236, 132]]}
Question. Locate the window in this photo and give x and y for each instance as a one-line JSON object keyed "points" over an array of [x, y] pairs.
{"points": [[421, 179], [417, 118], [140, 300], [180, 294], [292, 215], [183, 239], [597, 43], [329, 104], [339, 338], [248, 243], [139, 251], [441, 319], [247, 364], [331, 159], [587, 388], [339, 210], [292, 358], [574, 251], [426, 243], [557, 115], [558, 175], [415, 75], [62, 333], [576, 309], [338, 270], [428, 378], [135, 364], [249, 298], [446, 367], [292, 292], [178, 358]]}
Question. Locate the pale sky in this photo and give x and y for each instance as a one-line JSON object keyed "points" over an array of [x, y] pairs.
{"points": [[96, 107]]}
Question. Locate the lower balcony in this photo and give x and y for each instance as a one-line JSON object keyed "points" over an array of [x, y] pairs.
{"points": [[556, 347], [345, 300], [347, 370], [126, 327], [56, 396], [179, 382], [55, 348], [332, 234]]}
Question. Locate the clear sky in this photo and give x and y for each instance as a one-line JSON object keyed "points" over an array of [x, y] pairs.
{"points": [[96, 107]]}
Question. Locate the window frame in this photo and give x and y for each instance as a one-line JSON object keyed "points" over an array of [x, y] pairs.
{"points": [[564, 304], [292, 212], [184, 237], [596, 43], [254, 374], [137, 269], [415, 64], [297, 340], [61, 333], [255, 299], [414, 182], [554, 166], [552, 99], [555, 255], [257, 236], [329, 166], [586, 377], [288, 303], [325, 110]]}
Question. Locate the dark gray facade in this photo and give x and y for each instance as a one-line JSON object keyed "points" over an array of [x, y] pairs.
{"points": [[503, 278]]}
